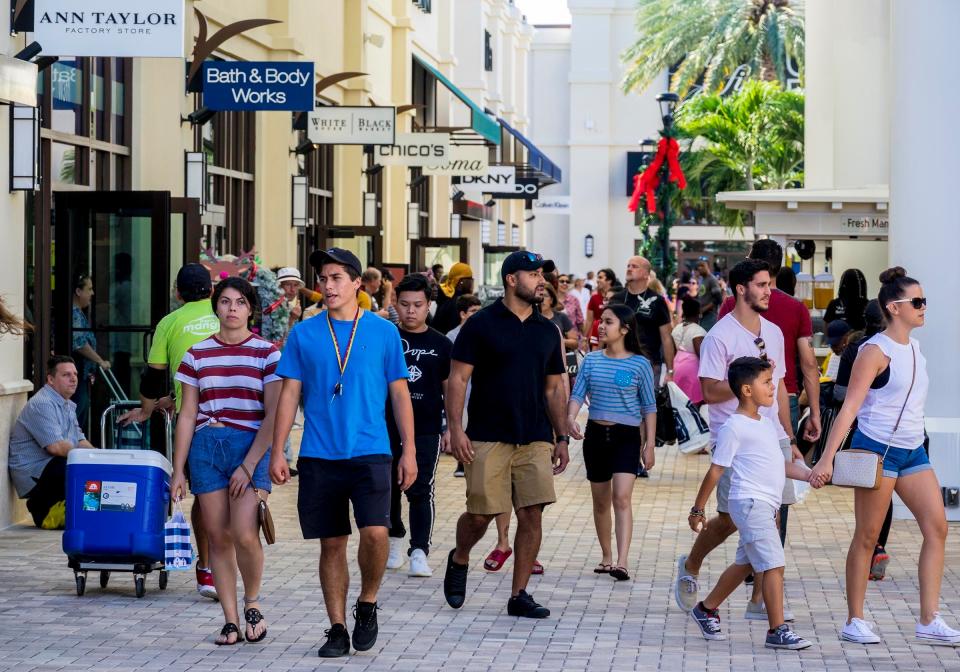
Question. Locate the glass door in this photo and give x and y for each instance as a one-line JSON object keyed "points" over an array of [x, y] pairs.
{"points": [[425, 253], [123, 246]]}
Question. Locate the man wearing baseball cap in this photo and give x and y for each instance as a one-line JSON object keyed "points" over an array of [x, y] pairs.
{"points": [[345, 362], [175, 334], [513, 357]]}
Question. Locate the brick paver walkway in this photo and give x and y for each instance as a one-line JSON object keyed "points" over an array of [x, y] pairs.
{"points": [[596, 624]]}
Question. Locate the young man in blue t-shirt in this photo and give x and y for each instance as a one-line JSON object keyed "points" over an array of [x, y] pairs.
{"points": [[345, 362]]}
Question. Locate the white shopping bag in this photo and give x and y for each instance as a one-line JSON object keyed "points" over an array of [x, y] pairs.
{"points": [[693, 434], [178, 553]]}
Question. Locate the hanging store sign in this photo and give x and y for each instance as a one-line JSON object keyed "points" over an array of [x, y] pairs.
{"points": [[496, 180], [18, 81], [526, 188], [263, 86], [464, 160], [108, 27], [352, 126], [552, 205], [415, 149]]}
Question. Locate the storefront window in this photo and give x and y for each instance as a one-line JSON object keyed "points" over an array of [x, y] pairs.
{"points": [[118, 100], [65, 164], [66, 84]]}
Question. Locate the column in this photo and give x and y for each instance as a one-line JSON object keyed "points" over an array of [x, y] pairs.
{"points": [[924, 145]]}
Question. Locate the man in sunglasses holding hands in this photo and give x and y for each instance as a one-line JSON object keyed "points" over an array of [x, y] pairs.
{"points": [[741, 333], [514, 358]]}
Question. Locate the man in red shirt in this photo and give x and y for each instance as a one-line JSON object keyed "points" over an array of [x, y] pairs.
{"points": [[793, 318], [606, 278]]}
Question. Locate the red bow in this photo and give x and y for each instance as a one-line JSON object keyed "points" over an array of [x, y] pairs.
{"points": [[646, 183]]}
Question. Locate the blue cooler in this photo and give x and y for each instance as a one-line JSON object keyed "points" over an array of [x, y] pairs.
{"points": [[117, 504]]}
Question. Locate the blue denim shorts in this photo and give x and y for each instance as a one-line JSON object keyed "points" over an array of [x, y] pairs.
{"points": [[216, 452], [899, 461]]}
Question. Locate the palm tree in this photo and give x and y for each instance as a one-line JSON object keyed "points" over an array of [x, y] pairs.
{"points": [[707, 40], [752, 139]]}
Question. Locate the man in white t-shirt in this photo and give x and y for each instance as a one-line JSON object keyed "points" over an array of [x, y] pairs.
{"points": [[741, 333]]}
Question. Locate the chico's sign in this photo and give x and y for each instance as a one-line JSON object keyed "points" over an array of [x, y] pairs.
{"points": [[415, 149]]}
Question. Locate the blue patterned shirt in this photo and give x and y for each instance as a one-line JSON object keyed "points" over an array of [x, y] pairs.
{"points": [[620, 390]]}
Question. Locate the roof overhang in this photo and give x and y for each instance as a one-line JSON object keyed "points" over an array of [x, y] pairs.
{"points": [[517, 150], [482, 127], [825, 214]]}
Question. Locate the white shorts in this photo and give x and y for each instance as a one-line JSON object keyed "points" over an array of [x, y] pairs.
{"points": [[759, 546], [723, 485]]}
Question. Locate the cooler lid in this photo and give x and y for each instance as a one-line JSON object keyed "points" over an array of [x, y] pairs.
{"points": [[123, 458]]}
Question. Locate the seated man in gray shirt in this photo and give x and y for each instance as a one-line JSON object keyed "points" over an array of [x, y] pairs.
{"points": [[45, 431]]}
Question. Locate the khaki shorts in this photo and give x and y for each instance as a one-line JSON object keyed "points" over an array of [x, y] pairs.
{"points": [[505, 475]]}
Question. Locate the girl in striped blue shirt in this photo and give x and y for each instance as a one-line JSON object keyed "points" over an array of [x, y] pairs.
{"points": [[618, 380]]}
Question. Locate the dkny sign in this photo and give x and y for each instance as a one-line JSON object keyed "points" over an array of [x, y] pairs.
{"points": [[501, 182], [109, 27], [352, 126], [415, 149]]}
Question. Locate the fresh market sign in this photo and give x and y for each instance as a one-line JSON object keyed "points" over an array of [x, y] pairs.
{"points": [[865, 225], [266, 86], [464, 160], [415, 149], [352, 126], [109, 27]]}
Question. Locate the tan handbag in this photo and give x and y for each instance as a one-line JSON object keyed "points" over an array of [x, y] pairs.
{"points": [[854, 468], [263, 512]]}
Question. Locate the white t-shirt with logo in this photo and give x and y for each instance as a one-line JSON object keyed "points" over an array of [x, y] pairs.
{"points": [[728, 340], [750, 448]]}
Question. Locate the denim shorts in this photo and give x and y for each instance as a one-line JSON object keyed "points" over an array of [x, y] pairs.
{"points": [[216, 452], [899, 461], [759, 546]]}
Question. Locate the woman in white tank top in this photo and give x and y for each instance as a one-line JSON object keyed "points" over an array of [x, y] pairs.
{"points": [[886, 394]]}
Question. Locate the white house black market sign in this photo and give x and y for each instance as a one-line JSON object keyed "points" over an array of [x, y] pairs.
{"points": [[352, 126], [106, 27]]}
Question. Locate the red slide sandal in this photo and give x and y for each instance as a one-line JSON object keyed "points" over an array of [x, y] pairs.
{"points": [[496, 559]]}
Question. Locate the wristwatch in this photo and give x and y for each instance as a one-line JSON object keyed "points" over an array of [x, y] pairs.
{"points": [[793, 441], [669, 372], [563, 438]]}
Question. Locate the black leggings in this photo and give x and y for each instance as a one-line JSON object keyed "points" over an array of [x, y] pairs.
{"points": [[51, 488], [419, 495]]}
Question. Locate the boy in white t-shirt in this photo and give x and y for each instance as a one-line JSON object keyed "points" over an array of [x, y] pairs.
{"points": [[747, 444]]}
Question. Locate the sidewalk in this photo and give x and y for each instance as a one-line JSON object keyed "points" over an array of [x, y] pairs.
{"points": [[596, 624]]}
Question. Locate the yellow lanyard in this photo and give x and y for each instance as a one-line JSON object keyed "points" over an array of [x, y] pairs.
{"points": [[342, 360]]}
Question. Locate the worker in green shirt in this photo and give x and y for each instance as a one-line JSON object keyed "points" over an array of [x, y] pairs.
{"points": [[175, 334]]}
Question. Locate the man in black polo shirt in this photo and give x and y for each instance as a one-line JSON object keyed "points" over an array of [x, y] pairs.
{"points": [[653, 316], [513, 357]]}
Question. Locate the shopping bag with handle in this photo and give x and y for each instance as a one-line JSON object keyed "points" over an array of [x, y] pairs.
{"points": [[176, 532]]}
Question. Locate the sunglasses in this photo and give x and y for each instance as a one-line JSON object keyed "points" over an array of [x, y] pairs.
{"points": [[564, 281], [762, 347], [532, 256], [917, 302]]}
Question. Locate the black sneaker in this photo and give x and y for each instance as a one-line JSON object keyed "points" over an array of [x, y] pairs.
{"points": [[337, 644], [523, 605], [458, 472], [455, 582], [365, 628]]}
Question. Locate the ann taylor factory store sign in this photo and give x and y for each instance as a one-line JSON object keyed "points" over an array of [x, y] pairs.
{"points": [[109, 27]]}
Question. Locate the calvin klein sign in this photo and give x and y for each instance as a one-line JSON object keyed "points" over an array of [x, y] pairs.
{"points": [[109, 27], [352, 126], [415, 149]]}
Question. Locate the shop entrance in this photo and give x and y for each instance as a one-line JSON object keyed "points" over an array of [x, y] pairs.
{"points": [[130, 245], [426, 252]]}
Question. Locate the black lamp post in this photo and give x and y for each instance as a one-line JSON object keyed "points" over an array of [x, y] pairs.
{"points": [[668, 105]]}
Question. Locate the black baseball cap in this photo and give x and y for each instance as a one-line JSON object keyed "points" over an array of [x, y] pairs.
{"points": [[872, 314], [836, 330], [194, 278], [525, 261], [335, 255]]}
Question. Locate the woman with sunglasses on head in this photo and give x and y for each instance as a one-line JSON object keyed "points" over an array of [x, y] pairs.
{"points": [[230, 390], [886, 393], [623, 421]]}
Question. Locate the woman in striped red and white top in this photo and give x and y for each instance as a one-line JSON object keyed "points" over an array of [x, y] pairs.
{"points": [[230, 391]]}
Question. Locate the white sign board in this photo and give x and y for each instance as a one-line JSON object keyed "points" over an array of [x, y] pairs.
{"points": [[552, 205], [352, 126], [463, 160], [415, 149], [109, 27], [496, 180]]}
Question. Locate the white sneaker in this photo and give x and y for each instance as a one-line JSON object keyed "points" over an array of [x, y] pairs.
{"points": [[685, 587], [938, 633], [418, 564], [758, 612], [395, 556], [860, 632]]}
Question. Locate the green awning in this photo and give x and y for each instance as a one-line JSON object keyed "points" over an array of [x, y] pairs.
{"points": [[484, 126]]}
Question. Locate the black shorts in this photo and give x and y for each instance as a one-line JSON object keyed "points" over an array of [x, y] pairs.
{"points": [[609, 450], [328, 487]]}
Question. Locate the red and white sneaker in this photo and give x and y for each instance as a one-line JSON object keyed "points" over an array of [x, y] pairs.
{"points": [[205, 583]]}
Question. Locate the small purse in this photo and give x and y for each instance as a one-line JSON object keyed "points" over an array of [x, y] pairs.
{"points": [[854, 468], [263, 512]]}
